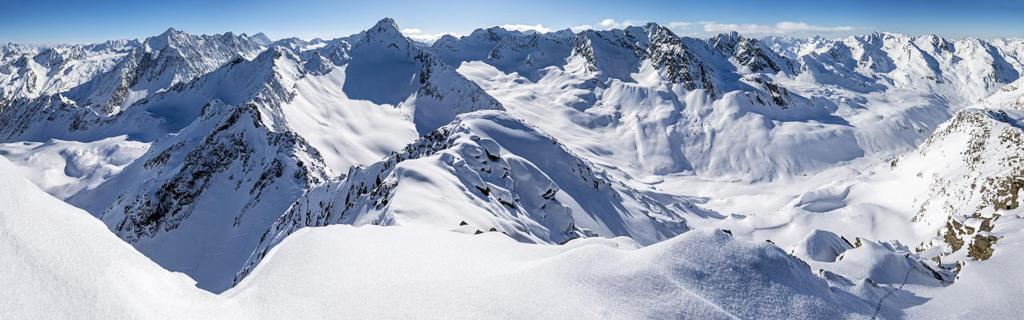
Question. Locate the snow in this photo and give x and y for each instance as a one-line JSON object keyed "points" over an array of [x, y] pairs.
{"points": [[60, 262], [64, 168], [821, 246], [990, 287], [462, 276], [233, 148], [374, 272], [487, 172], [887, 165], [346, 131]]}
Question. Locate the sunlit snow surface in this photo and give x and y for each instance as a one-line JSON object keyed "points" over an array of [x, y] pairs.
{"points": [[60, 255], [602, 174]]}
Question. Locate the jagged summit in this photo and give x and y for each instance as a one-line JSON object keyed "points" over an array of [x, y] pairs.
{"points": [[384, 33], [262, 39], [164, 39], [385, 28], [226, 118], [170, 31]]}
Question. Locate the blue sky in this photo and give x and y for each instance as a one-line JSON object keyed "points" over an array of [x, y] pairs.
{"points": [[43, 21]]}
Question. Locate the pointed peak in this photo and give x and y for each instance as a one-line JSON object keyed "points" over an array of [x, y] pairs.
{"points": [[170, 32], [262, 39], [731, 35], [273, 53], [161, 41], [652, 25], [386, 25], [564, 33], [385, 32], [446, 40]]}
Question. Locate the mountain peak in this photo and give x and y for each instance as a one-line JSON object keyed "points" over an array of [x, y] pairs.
{"points": [[385, 32], [386, 25], [170, 32], [262, 39], [164, 39]]}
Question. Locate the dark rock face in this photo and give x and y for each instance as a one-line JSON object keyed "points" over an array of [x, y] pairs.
{"points": [[670, 54], [751, 53], [239, 144], [40, 119]]}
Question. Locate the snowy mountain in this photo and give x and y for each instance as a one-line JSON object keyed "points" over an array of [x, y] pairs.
{"points": [[97, 275], [83, 86], [237, 133], [979, 179], [493, 174], [870, 176], [683, 105]]}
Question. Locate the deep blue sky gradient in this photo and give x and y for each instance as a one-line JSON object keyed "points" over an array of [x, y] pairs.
{"points": [[53, 21]]}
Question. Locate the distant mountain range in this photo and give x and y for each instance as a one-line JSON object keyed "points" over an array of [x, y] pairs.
{"points": [[888, 166]]}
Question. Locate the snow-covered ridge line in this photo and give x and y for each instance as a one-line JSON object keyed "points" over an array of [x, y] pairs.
{"points": [[234, 147], [238, 143], [98, 276], [537, 190]]}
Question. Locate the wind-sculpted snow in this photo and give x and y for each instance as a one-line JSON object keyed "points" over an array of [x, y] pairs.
{"points": [[64, 168]]}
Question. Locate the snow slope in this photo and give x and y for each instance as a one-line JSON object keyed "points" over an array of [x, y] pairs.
{"points": [[729, 108], [374, 272], [488, 172], [59, 262], [64, 168], [236, 146], [888, 163]]}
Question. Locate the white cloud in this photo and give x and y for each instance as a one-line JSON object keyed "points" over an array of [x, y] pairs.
{"points": [[612, 24], [741, 28], [779, 28], [608, 23], [800, 26], [418, 35], [679, 25], [697, 28], [604, 25], [582, 27], [525, 27]]}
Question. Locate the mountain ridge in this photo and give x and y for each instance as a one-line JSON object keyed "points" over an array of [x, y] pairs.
{"points": [[878, 160]]}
